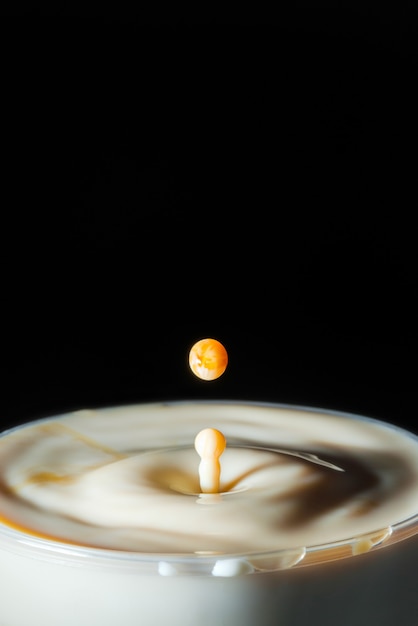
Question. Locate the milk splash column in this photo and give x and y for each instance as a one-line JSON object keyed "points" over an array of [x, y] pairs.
{"points": [[209, 444]]}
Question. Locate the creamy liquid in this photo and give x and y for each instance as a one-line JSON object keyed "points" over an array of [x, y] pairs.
{"points": [[126, 478]]}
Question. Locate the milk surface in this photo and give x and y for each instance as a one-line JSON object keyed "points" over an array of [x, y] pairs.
{"points": [[126, 478]]}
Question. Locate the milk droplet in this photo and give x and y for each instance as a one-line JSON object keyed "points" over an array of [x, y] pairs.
{"points": [[232, 567]]}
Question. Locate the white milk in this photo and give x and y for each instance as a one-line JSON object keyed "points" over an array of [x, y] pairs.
{"points": [[102, 521]]}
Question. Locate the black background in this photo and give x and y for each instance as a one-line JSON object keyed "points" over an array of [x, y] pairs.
{"points": [[173, 178]]}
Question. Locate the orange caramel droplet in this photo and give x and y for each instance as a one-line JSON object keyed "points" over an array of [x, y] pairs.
{"points": [[208, 359]]}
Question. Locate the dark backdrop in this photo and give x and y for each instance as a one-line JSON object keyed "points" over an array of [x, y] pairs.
{"points": [[167, 180]]}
